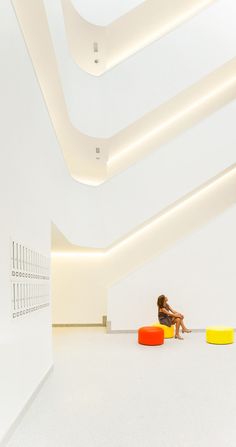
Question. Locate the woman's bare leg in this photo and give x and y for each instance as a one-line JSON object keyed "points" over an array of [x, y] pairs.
{"points": [[184, 329], [177, 323]]}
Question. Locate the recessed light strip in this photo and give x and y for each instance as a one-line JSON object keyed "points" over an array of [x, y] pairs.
{"points": [[182, 111], [177, 221]]}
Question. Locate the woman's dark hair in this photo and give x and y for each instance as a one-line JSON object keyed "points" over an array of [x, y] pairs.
{"points": [[161, 301]]}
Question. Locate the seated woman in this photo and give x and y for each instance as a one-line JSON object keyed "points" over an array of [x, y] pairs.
{"points": [[169, 316]]}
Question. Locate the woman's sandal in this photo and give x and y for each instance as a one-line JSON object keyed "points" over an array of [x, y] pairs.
{"points": [[179, 338], [187, 331]]}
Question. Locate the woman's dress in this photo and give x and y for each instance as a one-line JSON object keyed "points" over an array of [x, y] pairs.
{"points": [[165, 319]]}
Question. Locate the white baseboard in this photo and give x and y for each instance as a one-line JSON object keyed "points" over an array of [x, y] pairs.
{"points": [[133, 331], [19, 417], [102, 324]]}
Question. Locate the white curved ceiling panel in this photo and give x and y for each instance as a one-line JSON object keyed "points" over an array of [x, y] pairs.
{"points": [[161, 232], [117, 207], [102, 106], [79, 150], [126, 201], [97, 49], [92, 160]]}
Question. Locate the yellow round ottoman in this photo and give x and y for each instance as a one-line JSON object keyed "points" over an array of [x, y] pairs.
{"points": [[168, 331], [219, 335]]}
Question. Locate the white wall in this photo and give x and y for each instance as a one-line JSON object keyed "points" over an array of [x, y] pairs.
{"points": [[35, 188], [139, 193], [78, 288], [25, 343], [197, 274], [82, 273]]}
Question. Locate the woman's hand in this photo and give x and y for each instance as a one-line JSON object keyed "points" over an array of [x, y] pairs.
{"points": [[178, 315]]}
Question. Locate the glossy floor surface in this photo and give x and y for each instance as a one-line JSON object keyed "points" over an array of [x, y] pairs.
{"points": [[106, 390]]}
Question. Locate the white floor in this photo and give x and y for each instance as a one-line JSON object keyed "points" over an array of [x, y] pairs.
{"points": [[106, 390]]}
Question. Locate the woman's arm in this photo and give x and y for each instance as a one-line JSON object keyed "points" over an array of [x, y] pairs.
{"points": [[165, 311], [172, 310], [175, 313]]}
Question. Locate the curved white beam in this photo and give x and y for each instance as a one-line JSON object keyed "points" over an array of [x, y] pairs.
{"points": [[181, 112], [102, 106], [93, 160], [79, 150], [97, 49], [160, 232]]}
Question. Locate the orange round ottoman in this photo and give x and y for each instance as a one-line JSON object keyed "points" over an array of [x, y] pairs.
{"points": [[150, 336]]}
